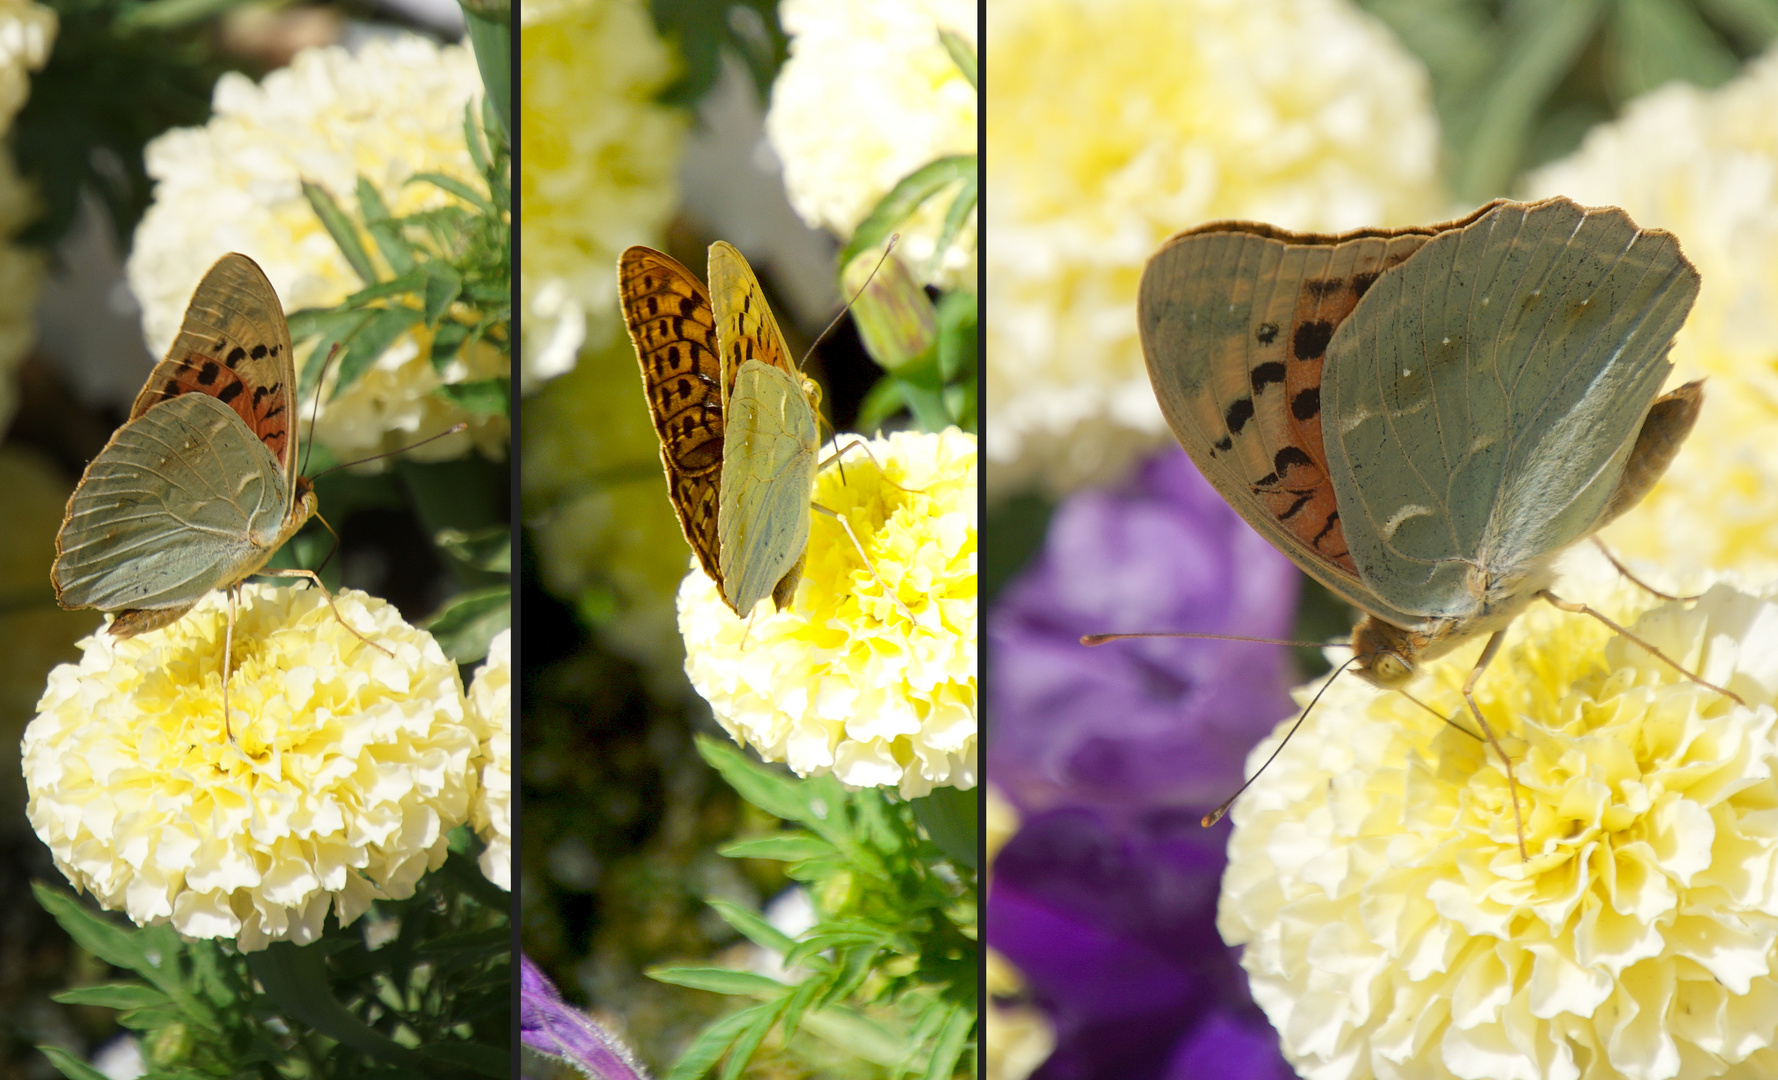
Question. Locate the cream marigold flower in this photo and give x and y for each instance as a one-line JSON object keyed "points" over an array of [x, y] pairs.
{"points": [[601, 156], [27, 30], [393, 109], [490, 705], [840, 683], [1390, 928], [1117, 123], [26, 33], [868, 95], [1701, 164], [349, 766]]}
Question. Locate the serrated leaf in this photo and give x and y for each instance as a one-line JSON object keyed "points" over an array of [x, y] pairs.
{"points": [[295, 979], [903, 199], [455, 187], [949, 1047], [774, 793], [962, 53], [69, 1065], [708, 1047], [408, 284], [446, 342], [469, 621], [113, 996], [338, 226], [110, 943], [479, 397], [371, 206], [373, 339], [748, 1041], [719, 980], [443, 286], [784, 847], [751, 926]]}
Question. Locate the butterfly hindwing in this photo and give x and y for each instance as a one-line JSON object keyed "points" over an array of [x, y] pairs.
{"points": [[768, 473], [234, 345], [170, 510], [1483, 399]]}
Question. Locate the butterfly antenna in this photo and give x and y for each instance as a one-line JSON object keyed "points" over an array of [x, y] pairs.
{"points": [[315, 413], [1215, 815], [1100, 639], [894, 238], [452, 430], [1451, 720]]}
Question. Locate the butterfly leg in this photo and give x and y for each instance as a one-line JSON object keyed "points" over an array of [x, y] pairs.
{"points": [[837, 455], [1582, 609], [1634, 580], [316, 580], [1512, 782], [868, 565]]}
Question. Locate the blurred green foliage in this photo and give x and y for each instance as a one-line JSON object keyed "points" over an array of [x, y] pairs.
{"points": [[703, 29]]}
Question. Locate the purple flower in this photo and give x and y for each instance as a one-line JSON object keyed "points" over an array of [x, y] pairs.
{"points": [[1148, 723], [550, 1026], [1105, 899]]}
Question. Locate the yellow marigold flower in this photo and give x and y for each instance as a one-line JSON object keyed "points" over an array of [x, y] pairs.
{"points": [[841, 682], [1390, 927], [600, 159], [1700, 163], [490, 706], [350, 766], [1117, 123], [392, 109], [868, 95]]}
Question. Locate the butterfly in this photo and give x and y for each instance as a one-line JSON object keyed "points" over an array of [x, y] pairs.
{"points": [[1422, 419], [199, 487], [735, 416]]}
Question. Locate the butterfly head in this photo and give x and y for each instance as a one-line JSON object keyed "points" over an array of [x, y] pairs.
{"points": [[1386, 653]]}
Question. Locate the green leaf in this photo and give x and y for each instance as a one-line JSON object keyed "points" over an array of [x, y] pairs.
{"points": [[479, 397], [384, 327], [719, 981], [340, 227], [456, 187], [113, 996], [772, 792], [961, 210], [708, 1047], [785, 847], [949, 1047], [443, 286], [491, 38], [446, 342], [109, 942], [468, 621], [488, 548], [750, 1038], [751, 926], [903, 199], [1544, 45], [69, 1065], [1660, 41], [950, 817], [883, 400], [371, 206], [1755, 22], [962, 53], [295, 979]]}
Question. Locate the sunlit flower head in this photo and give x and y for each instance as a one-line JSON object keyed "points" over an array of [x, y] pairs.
{"points": [[392, 109], [868, 95], [1391, 928], [27, 30], [348, 768], [1117, 123], [490, 707], [600, 155], [1701, 164], [840, 682]]}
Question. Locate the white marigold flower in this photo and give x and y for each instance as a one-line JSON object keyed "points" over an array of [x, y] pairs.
{"points": [[27, 30], [601, 157], [1390, 928], [393, 109], [840, 683], [1700, 163], [349, 766], [490, 706], [868, 95], [1117, 123]]}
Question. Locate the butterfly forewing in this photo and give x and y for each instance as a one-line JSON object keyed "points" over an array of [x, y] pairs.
{"points": [[179, 502], [768, 474], [234, 345], [1482, 406], [673, 327], [744, 322]]}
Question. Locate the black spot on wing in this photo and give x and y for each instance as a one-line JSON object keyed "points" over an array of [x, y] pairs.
{"points": [[229, 392], [1361, 283], [1267, 333], [1306, 405], [1290, 456], [1311, 339], [1265, 374], [1238, 414]]}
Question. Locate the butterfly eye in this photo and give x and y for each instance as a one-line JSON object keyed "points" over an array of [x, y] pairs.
{"points": [[1387, 669]]}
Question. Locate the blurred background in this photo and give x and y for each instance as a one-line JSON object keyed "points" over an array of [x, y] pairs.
{"points": [[671, 138], [1110, 127], [85, 88]]}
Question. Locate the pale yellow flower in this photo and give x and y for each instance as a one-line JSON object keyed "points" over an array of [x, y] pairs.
{"points": [[1390, 928], [868, 95], [1117, 123], [1702, 163], [1016, 1038], [393, 109], [490, 706], [348, 769], [840, 682], [27, 30], [600, 159]]}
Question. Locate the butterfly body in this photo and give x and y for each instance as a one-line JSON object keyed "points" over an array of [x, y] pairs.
{"points": [[1424, 419], [198, 489]]}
